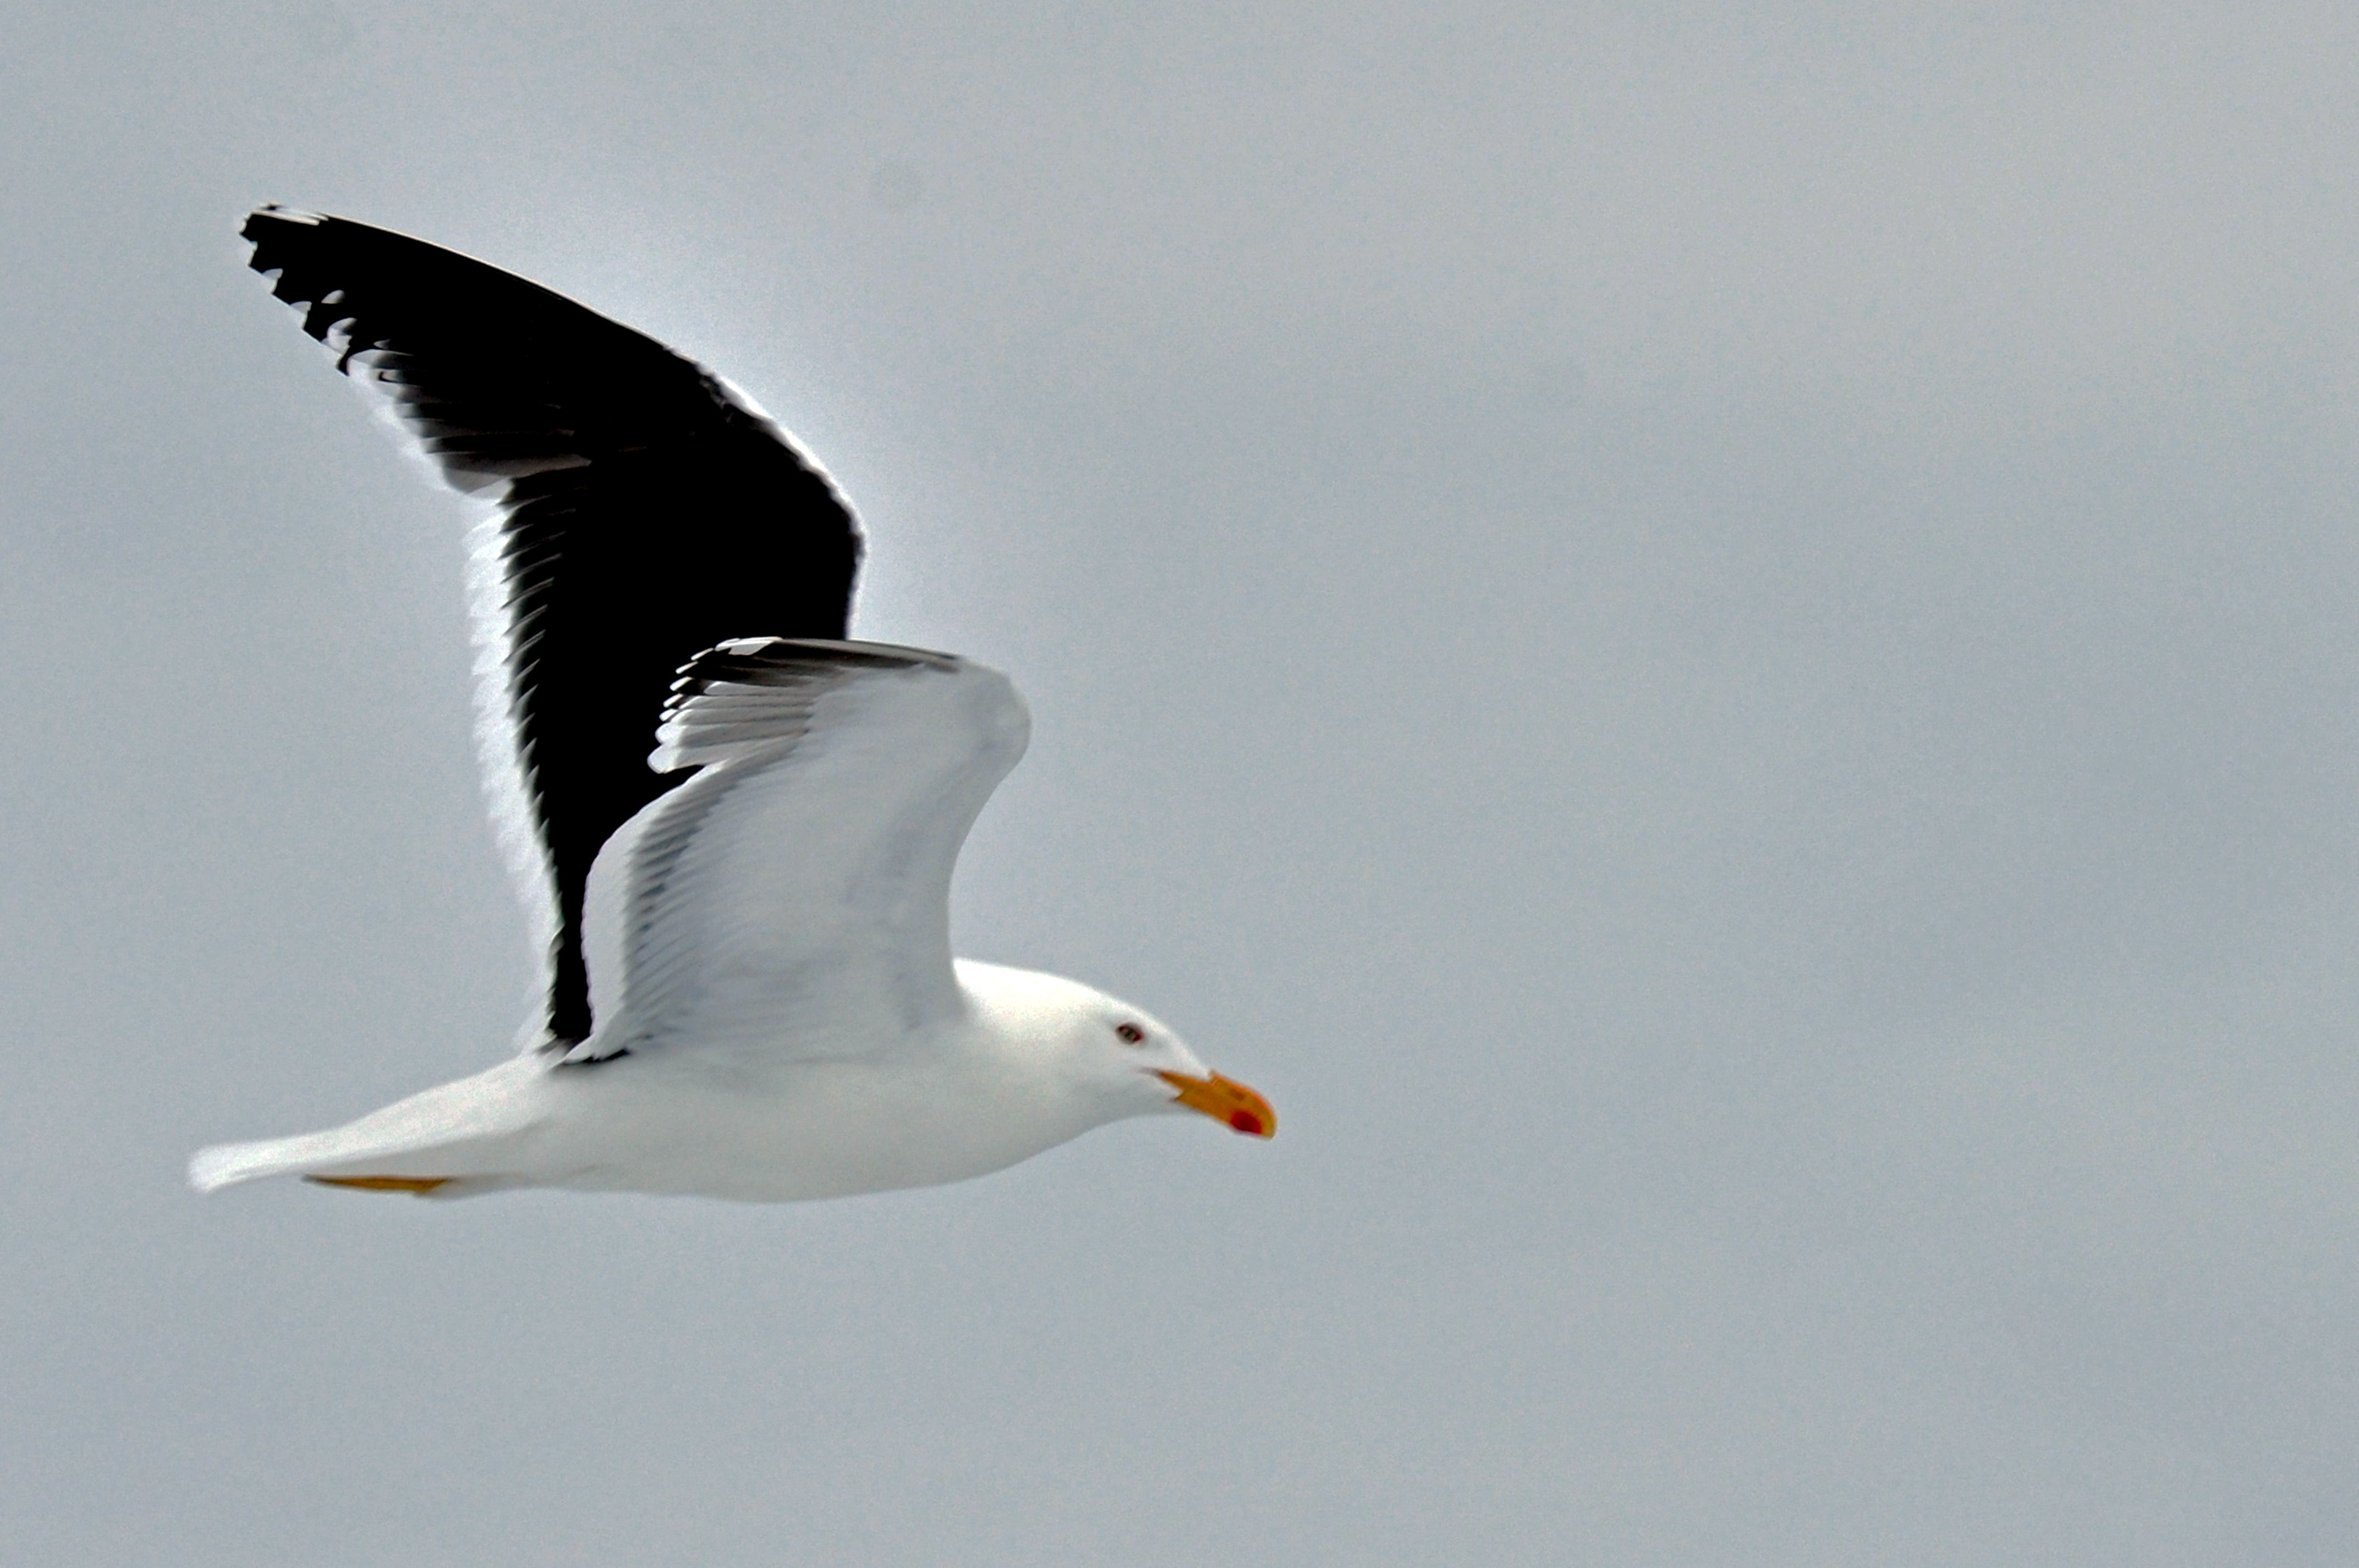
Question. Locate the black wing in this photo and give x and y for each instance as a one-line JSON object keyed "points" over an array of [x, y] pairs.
{"points": [[647, 513]]}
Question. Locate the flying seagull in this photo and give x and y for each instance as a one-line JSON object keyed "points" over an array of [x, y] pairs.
{"points": [[734, 827]]}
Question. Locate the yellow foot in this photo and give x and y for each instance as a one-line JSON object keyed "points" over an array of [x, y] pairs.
{"points": [[383, 1183]]}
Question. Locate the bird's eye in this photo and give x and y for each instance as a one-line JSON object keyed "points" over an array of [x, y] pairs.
{"points": [[1129, 1033]]}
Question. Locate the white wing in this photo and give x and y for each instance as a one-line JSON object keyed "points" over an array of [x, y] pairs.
{"points": [[793, 898]]}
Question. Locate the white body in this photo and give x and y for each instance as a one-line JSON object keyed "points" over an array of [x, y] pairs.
{"points": [[969, 1096]]}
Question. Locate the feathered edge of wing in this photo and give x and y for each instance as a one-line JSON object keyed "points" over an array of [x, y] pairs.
{"points": [[499, 758], [925, 734], [737, 696], [493, 380]]}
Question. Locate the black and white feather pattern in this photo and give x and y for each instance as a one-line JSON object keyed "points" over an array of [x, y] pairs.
{"points": [[646, 512], [798, 887], [742, 826]]}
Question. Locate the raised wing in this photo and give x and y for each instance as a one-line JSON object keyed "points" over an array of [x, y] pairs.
{"points": [[646, 512], [793, 897]]}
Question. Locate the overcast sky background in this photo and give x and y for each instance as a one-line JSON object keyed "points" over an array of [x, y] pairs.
{"points": [[1717, 642]]}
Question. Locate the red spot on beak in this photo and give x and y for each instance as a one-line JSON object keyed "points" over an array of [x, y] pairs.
{"points": [[1224, 1100]]}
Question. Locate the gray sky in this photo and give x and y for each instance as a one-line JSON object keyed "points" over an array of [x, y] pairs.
{"points": [[1717, 642]]}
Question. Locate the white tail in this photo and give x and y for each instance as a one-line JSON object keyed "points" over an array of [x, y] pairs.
{"points": [[462, 1135], [227, 1165]]}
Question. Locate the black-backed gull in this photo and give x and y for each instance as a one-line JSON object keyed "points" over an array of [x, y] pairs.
{"points": [[735, 828]]}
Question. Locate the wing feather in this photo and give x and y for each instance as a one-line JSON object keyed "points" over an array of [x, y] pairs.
{"points": [[647, 511], [793, 897]]}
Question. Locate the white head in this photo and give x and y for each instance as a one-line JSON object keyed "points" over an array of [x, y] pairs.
{"points": [[1121, 1059]]}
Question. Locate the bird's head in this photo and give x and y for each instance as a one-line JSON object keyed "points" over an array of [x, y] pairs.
{"points": [[1120, 1059], [1151, 1065]]}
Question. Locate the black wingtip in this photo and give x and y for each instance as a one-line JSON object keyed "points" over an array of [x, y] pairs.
{"points": [[282, 238], [271, 218]]}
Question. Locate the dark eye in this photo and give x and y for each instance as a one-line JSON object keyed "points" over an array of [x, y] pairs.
{"points": [[1129, 1033]]}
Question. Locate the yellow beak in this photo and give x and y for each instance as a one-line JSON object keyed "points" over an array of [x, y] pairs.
{"points": [[1225, 1099]]}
